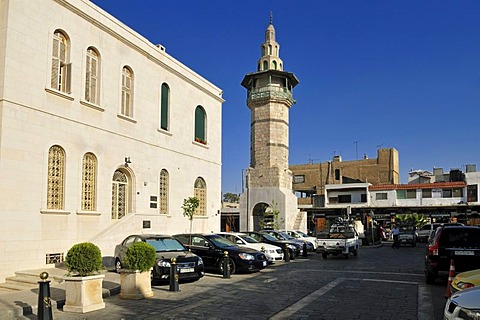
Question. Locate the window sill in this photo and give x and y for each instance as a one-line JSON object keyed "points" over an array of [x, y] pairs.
{"points": [[60, 94], [200, 144], [165, 132], [54, 211], [88, 213], [92, 105], [124, 117]]}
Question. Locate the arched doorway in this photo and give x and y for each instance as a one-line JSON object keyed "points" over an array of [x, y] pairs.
{"points": [[120, 194], [259, 215]]}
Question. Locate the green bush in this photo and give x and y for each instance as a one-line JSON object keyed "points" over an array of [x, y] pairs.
{"points": [[140, 256], [84, 259]]}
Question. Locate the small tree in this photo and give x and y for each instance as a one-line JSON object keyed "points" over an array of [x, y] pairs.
{"points": [[190, 204], [231, 197], [270, 218]]}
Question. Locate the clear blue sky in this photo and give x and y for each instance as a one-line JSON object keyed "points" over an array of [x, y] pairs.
{"points": [[402, 74]]}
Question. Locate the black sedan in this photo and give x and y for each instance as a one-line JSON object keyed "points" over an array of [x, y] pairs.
{"points": [[280, 235], [211, 248], [294, 248], [189, 265]]}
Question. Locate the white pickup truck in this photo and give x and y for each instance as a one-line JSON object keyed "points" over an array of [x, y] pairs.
{"points": [[342, 239]]}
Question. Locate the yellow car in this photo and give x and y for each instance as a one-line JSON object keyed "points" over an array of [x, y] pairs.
{"points": [[464, 280]]}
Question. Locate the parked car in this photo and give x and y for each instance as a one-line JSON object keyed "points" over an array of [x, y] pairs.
{"points": [[294, 248], [280, 235], [463, 305], [407, 235], [465, 280], [190, 266], [211, 247], [273, 252], [460, 243], [423, 233], [302, 236]]}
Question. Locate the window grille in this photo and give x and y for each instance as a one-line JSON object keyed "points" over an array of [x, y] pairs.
{"points": [[89, 176], [163, 191], [55, 185], [200, 192]]}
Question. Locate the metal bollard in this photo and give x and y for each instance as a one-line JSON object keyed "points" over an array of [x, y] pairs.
{"points": [[44, 300], [305, 252], [226, 265], [286, 253], [173, 275]]}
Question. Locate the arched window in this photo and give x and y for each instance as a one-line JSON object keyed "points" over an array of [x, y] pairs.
{"points": [[274, 65], [127, 92], [56, 178], [200, 192], [92, 76], [119, 195], [164, 106], [269, 49], [89, 182], [163, 191], [61, 67], [265, 65], [263, 51], [200, 125]]}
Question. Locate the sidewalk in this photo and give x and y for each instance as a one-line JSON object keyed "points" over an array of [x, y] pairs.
{"points": [[19, 304]]}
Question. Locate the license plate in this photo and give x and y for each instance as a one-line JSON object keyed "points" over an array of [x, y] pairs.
{"points": [[186, 270], [464, 253], [264, 263]]}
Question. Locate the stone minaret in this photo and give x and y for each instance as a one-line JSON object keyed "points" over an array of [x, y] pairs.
{"points": [[269, 98]]}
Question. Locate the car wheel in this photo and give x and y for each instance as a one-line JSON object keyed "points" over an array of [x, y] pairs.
{"points": [[324, 255], [118, 265], [231, 264]]}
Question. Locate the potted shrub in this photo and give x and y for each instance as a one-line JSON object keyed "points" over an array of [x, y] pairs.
{"points": [[83, 283], [135, 279]]}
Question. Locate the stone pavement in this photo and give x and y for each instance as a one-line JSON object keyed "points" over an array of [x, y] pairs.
{"points": [[305, 288]]}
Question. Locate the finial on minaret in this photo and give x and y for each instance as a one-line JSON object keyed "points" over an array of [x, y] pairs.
{"points": [[271, 17]]}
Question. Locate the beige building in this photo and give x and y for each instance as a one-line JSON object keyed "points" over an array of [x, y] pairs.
{"points": [[269, 181], [309, 180], [98, 132]]}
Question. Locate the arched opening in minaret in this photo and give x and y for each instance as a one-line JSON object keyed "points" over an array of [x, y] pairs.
{"points": [[269, 49], [265, 65], [274, 65]]}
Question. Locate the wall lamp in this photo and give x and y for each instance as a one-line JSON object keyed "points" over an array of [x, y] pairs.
{"points": [[127, 161]]}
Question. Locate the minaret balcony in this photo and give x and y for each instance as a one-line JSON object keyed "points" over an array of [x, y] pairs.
{"points": [[270, 92]]}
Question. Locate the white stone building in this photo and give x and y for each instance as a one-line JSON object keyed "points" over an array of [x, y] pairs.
{"points": [[99, 131]]}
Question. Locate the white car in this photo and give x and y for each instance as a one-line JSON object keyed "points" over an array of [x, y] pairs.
{"points": [[297, 234], [273, 253], [463, 304]]}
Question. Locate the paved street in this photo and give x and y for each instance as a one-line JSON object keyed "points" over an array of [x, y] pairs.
{"points": [[381, 283]]}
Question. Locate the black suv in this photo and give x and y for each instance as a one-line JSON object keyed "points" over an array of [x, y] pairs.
{"points": [[460, 243], [211, 247]]}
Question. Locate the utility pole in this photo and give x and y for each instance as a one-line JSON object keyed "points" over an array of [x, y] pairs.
{"points": [[356, 148]]}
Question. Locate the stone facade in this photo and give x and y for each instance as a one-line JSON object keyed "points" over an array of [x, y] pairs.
{"points": [[311, 178], [87, 149], [269, 181]]}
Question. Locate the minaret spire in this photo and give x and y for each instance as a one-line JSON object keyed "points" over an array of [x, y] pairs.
{"points": [[270, 59]]}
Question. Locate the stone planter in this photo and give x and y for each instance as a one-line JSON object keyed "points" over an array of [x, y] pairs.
{"points": [[135, 285], [83, 294]]}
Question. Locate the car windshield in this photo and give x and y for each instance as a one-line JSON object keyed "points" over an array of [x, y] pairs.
{"points": [[269, 237], [285, 235], [303, 234], [165, 244], [221, 242], [248, 238]]}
